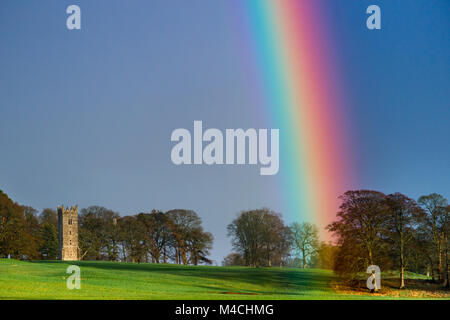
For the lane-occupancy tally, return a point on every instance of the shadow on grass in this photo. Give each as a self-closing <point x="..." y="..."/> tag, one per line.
<point x="289" y="281"/>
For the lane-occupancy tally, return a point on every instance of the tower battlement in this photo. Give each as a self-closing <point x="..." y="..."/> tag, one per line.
<point x="68" y="233"/>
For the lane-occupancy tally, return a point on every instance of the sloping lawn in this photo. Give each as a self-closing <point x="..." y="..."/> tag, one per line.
<point x="114" y="280"/>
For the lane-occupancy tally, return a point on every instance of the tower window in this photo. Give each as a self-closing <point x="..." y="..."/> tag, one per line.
<point x="70" y="242"/>
<point x="70" y="232"/>
<point x="70" y="221"/>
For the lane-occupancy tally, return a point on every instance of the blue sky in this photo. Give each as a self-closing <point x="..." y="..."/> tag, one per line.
<point x="86" y="116"/>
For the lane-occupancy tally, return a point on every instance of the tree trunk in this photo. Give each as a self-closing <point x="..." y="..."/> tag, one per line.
<point x="447" y="280"/>
<point x="402" y="265"/>
<point x="370" y="256"/>
<point x="402" y="277"/>
<point x="440" y="261"/>
<point x="164" y="255"/>
<point x="432" y="272"/>
<point x="304" y="258"/>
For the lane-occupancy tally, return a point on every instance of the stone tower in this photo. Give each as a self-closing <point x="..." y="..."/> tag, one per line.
<point x="68" y="233"/>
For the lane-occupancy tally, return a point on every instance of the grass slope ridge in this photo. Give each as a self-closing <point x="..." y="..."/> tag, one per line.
<point x="114" y="280"/>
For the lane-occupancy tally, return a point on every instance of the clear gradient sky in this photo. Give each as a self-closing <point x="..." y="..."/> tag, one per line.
<point x="86" y="116"/>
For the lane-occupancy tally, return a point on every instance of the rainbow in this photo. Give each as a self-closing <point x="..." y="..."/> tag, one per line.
<point x="301" y="93"/>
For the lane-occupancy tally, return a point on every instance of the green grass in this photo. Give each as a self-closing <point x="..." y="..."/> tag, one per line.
<point x="113" y="280"/>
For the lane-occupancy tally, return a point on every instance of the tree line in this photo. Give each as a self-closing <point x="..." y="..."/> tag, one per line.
<point x="175" y="236"/>
<point x="391" y="231"/>
<point x="394" y="232"/>
<point x="260" y="238"/>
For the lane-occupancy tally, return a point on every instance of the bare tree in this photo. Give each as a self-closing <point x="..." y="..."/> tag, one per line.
<point x="435" y="223"/>
<point x="260" y="236"/>
<point x="156" y="234"/>
<point x="246" y="231"/>
<point x="401" y="221"/>
<point x="359" y="232"/>
<point x="447" y="246"/>
<point x="99" y="236"/>
<point x="305" y="238"/>
<point x="233" y="259"/>
<point x="183" y="222"/>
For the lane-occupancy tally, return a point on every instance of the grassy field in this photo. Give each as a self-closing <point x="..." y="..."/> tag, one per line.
<point x="113" y="280"/>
